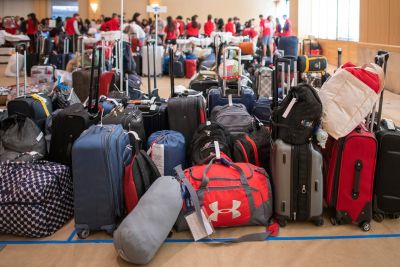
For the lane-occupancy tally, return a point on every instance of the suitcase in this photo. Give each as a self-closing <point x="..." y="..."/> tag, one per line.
<point x="139" y="64"/>
<point x="386" y="190"/>
<point x="240" y="94"/>
<point x="349" y="176"/>
<point x="36" y="107"/>
<point x="36" y="198"/>
<point x="42" y="74"/>
<point x="297" y="182"/>
<point x="149" y="60"/>
<point x="81" y="83"/>
<point x="263" y="86"/>
<point x="179" y="66"/>
<point x="165" y="65"/>
<point x="185" y="112"/>
<point x="72" y="121"/>
<point x="167" y="149"/>
<point x="191" y="67"/>
<point x="289" y="44"/>
<point x="203" y="81"/>
<point x="130" y="118"/>
<point x="262" y="110"/>
<point x="98" y="157"/>
<point x="107" y="80"/>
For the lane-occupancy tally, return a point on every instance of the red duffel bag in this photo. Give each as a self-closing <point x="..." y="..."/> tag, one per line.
<point x="232" y="194"/>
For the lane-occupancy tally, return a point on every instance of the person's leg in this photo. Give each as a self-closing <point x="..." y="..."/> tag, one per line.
<point x="264" y="45"/>
<point x="270" y="46"/>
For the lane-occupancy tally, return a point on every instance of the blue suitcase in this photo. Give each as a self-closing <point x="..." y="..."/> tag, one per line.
<point x="216" y="98"/>
<point x="262" y="110"/>
<point x="98" y="157"/>
<point x="165" y="65"/>
<point x="289" y="44"/>
<point x="167" y="150"/>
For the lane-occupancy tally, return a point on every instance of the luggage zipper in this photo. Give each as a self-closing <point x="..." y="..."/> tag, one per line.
<point x="246" y="158"/>
<point x="255" y="149"/>
<point x="107" y="159"/>
<point x="335" y="189"/>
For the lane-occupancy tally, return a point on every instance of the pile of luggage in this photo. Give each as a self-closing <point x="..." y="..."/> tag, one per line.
<point x="222" y="153"/>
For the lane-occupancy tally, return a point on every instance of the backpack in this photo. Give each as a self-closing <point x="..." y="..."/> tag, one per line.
<point x="234" y="118"/>
<point x="202" y="148"/>
<point x="296" y="117"/>
<point x="139" y="174"/>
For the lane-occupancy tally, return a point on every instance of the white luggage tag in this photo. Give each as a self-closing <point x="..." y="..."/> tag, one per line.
<point x="289" y="108"/>
<point x="230" y="102"/>
<point x="39" y="137"/>
<point x="217" y="150"/>
<point x="153" y="107"/>
<point x="196" y="227"/>
<point x="208" y="123"/>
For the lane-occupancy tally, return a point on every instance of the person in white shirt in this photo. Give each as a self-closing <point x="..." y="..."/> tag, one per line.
<point x="140" y="34"/>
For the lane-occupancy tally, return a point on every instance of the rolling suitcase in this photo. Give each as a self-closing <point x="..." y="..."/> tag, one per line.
<point x="386" y="194"/>
<point x="242" y="95"/>
<point x="179" y="65"/>
<point x="191" y="67"/>
<point x="297" y="175"/>
<point x="72" y="121"/>
<point x="289" y="44"/>
<point x="185" y="112"/>
<point x="81" y="83"/>
<point x="149" y="59"/>
<point x="98" y="157"/>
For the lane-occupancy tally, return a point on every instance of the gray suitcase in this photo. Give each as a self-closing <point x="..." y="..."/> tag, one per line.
<point x="298" y="182"/>
<point x="264" y="82"/>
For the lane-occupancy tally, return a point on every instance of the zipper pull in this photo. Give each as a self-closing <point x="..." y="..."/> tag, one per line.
<point x="303" y="189"/>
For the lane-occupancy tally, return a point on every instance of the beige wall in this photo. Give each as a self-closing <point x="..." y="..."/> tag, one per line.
<point x="15" y="7"/>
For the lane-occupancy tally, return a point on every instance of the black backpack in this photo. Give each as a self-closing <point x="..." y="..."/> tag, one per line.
<point x="296" y="117"/>
<point x="253" y="147"/>
<point x="202" y="148"/>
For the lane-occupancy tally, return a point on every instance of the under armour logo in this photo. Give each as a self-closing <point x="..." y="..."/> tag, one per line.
<point x="234" y="210"/>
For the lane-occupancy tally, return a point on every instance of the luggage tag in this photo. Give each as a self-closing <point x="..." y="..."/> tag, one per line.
<point x="199" y="229"/>
<point x="289" y="108"/>
<point x="217" y="150"/>
<point x="39" y="137"/>
<point x="208" y="123"/>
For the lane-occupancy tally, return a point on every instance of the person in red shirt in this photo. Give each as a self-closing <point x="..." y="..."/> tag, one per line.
<point x="209" y="26"/>
<point x="180" y="25"/>
<point x="32" y="26"/>
<point x="171" y="31"/>
<point x="287" y="28"/>
<point x="71" y="26"/>
<point x="249" y="30"/>
<point x="230" y="27"/>
<point x="266" y="31"/>
<point x="193" y="27"/>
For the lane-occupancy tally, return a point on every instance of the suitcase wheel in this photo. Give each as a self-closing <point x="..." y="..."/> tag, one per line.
<point x="378" y="217"/>
<point x="282" y="222"/>
<point x="394" y="216"/>
<point x="319" y="221"/>
<point x="366" y="226"/>
<point x="334" y="221"/>
<point x="83" y="234"/>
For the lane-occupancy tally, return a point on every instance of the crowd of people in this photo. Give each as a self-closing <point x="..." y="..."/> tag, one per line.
<point x="168" y="31"/>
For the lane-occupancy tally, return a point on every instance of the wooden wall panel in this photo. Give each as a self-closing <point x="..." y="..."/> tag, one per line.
<point x="378" y="18"/>
<point x="394" y="22"/>
<point x="294" y="15"/>
<point x="364" y="20"/>
<point x="330" y="47"/>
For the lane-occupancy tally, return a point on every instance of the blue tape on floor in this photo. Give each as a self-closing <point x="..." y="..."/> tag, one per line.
<point x="71" y="236"/>
<point x="278" y="238"/>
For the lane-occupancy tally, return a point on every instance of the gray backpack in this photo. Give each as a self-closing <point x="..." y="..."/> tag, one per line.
<point x="143" y="231"/>
<point x="21" y="140"/>
<point x="233" y="118"/>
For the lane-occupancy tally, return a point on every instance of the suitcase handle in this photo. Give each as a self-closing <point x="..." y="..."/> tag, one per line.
<point x="356" y="185"/>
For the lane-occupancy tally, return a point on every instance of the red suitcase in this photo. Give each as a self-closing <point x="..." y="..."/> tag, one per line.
<point x="191" y="67"/>
<point x="350" y="177"/>
<point x="107" y="79"/>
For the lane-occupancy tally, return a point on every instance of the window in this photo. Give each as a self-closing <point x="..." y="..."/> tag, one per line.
<point x="330" y="19"/>
<point x="62" y="8"/>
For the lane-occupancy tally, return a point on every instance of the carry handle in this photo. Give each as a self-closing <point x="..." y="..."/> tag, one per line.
<point x="206" y="179"/>
<point x="275" y="93"/>
<point x="304" y="46"/>
<point x="148" y="69"/>
<point x="134" y="141"/>
<point x="356" y="185"/>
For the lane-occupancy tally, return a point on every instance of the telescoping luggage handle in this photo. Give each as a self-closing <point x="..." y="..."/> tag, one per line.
<point x="262" y="236"/>
<point x="171" y="70"/>
<point x="24" y="46"/>
<point x="381" y="59"/>
<point x="225" y="77"/>
<point x="274" y="84"/>
<point x="94" y="109"/>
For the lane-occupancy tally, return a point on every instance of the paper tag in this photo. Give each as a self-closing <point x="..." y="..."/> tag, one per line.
<point x="153" y="107"/>
<point x="153" y="99"/>
<point x="390" y="124"/>
<point x="289" y="108"/>
<point x="208" y="123"/>
<point x="217" y="150"/>
<point x="230" y="102"/>
<point x="196" y="228"/>
<point x="39" y="137"/>
<point x="157" y="155"/>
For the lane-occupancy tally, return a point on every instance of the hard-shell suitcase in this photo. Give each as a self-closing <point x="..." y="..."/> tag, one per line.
<point x="386" y="190"/>
<point x="263" y="82"/>
<point x="139" y="64"/>
<point x="241" y="95"/>
<point x="155" y="117"/>
<point x="107" y="80"/>
<point x="81" y="83"/>
<point x="350" y="177"/>
<point x="98" y="157"/>
<point x="42" y="74"/>
<point x="191" y="67"/>
<point x="298" y="182"/>
<point x="289" y="44"/>
<point x="179" y="66"/>
<point x="148" y="53"/>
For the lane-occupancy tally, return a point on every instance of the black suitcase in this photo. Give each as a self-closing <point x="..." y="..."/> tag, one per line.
<point x="179" y="65"/>
<point x="387" y="189"/>
<point x="185" y="112"/>
<point x="72" y="121"/>
<point x="155" y="117"/>
<point x="139" y="64"/>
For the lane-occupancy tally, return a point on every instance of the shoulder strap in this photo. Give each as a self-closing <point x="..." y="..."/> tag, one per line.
<point x="42" y="102"/>
<point x="262" y="236"/>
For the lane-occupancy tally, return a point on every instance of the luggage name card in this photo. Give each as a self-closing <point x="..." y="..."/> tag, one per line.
<point x="196" y="227"/>
<point x="230" y="102"/>
<point x="217" y="150"/>
<point x="289" y="108"/>
<point x="157" y="155"/>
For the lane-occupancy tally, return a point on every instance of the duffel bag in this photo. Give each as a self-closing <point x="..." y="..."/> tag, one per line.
<point x="349" y="96"/>
<point x="36" y="199"/>
<point x="312" y="63"/>
<point x="232" y="194"/>
<point x="296" y="117"/>
<point x="247" y="48"/>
